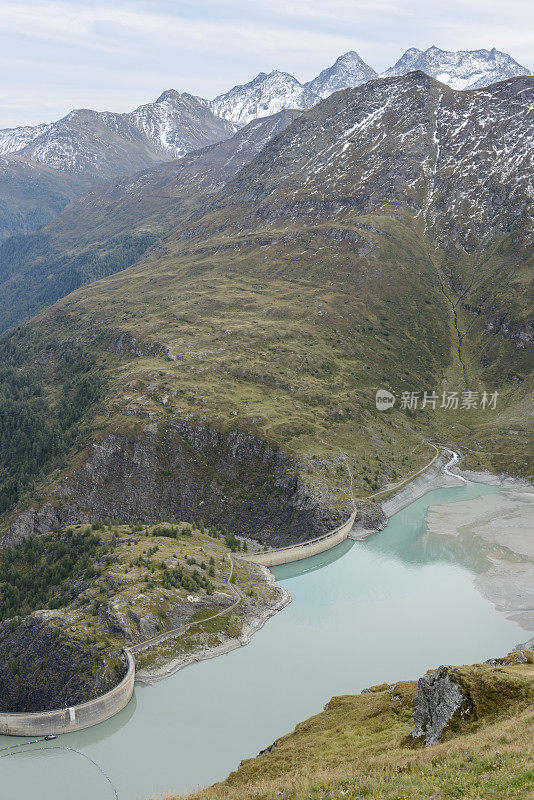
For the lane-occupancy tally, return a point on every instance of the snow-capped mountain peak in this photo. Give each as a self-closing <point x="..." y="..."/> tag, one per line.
<point x="103" y="144"/>
<point x="173" y="120"/>
<point x="264" y="95"/>
<point x="13" y="139"/>
<point x="168" y="96"/>
<point x="461" y="69"/>
<point x="349" y="70"/>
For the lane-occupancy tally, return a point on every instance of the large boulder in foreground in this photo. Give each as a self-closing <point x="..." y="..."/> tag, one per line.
<point x="438" y="699"/>
<point x="449" y="696"/>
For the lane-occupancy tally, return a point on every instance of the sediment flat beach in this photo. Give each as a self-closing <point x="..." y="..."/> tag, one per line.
<point x="504" y="525"/>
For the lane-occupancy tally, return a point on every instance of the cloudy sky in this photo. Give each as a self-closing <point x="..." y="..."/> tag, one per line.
<point x="117" y="54"/>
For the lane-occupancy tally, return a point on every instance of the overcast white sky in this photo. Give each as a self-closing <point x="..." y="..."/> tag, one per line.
<point x="117" y="54"/>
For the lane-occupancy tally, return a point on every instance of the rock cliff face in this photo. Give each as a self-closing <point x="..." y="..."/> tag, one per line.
<point x="42" y="520"/>
<point x="438" y="699"/>
<point x="181" y="470"/>
<point x="43" y="668"/>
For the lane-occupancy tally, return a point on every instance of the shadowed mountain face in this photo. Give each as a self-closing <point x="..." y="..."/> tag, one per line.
<point x="31" y="194"/>
<point x="108" y="229"/>
<point x="367" y="246"/>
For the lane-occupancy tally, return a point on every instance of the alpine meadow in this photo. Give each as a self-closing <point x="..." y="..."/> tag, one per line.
<point x="266" y="362"/>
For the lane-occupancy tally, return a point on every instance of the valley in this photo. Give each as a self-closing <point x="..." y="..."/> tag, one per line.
<point x="375" y="613"/>
<point x="110" y="228"/>
<point x="229" y="326"/>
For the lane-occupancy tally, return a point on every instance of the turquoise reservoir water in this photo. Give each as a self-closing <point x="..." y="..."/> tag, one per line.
<point x="381" y="610"/>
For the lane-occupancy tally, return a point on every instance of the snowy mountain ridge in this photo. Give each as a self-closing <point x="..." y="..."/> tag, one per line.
<point x="13" y="139"/>
<point x="268" y="94"/>
<point x="461" y="69"/>
<point x="263" y="96"/>
<point x="106" y="144"/>
<point x="348" y="71"/>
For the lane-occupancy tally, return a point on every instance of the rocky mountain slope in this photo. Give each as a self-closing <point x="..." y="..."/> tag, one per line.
<point x="103" y="145"/>
<point x="263" y="96"/>
<point x="109" y="228"/>
<point x="348" y="71"/>
<point x="231" y="373"/>
<point x="461" y="69"/>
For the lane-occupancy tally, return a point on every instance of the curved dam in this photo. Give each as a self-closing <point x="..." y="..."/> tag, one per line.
<point x="75" y="718"/>
<point x="101" y="709"/>
<point x="311" y="547"/>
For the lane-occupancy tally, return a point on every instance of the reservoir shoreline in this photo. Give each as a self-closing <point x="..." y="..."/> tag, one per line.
<point x="354" y="606"/>
<point x="437" y="476"/>
<point x="251" y="625"/>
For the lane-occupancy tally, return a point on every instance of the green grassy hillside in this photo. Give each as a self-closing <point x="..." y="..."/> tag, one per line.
<point x="110" y="228"/>
<point x="359" y="747"/>
<point x="242" y="355"/>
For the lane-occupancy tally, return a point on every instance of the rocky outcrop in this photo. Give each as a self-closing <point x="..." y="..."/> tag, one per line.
<point x="43" y="667"/>
<point x="370" y="516"/>
<point x="515" y="657"/>
<point x="438" y="699"/>
<point x="177" y="469"/>
<point x="125" y="342"/>
<point x="118" y="617"/>
<point x="521" y="333"/>
<point x="43" y="520"/>
<point x="529" y="645"/>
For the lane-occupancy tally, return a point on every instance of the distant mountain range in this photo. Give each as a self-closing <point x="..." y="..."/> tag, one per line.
<point x="103" y="144"/>
<point x="44" y="167"/>
<point x="112" y="226"/>
<point x="109" y="228"/>
<point x="267" y="94"/>
<point x="178" y="123"/>
<point x="86" y="148"/>
<point x="274" y="281"/>
<point x="463" y="69"/>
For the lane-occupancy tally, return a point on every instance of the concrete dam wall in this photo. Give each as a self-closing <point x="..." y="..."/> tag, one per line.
<point x="100" y="709"/>
<point x="296" y="552"/>
<point x="75" y="718"/>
